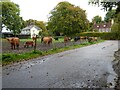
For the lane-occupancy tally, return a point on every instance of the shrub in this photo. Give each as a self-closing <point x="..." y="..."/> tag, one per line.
<point x="102" y="35"/>
<point x="37" y="52"/>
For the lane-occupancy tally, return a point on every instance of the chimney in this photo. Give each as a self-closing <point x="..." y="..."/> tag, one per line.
<point x="112" y="21"/>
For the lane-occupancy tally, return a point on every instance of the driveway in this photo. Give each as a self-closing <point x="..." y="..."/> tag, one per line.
<point x="89" y="67"/>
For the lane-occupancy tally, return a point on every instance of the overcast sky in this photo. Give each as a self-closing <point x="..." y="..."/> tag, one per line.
<point x="40" y="9"/>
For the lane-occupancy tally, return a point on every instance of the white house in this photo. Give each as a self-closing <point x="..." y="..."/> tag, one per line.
<point x="32" y="30"/>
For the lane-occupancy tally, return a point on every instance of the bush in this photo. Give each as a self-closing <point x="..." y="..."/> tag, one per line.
<point x="37" y="52"/>
<point x="102" y="35"/>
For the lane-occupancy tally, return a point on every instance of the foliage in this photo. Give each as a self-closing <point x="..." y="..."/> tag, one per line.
<point x="67" y="19"/>
<point x="116" y="26"/>
<point x="109" y="15"/>
<point x="102" y="35"/>
<point x="44" y="33"/>
<point x="97" y="19"/>
<point x="10" y="17"/>
<point x="90" y="26"/>
<point x="107" y="4"/>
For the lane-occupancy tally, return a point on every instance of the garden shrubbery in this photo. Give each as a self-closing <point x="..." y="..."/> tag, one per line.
<point x="102" y="35"/>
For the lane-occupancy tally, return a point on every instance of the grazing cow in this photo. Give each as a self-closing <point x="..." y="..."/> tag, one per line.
<point x="28" y="43"/>
<point x="92" y="39"/>
<point x="95" y="39"/>
<point x="14" y="41"/>
<point x="76" y="38"/>
<point x="46" y="40"/>
<point x="82" y="38"/>
<point x="66" y="39"/>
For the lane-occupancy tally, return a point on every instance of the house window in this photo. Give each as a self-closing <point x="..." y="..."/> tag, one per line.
<point x="97" y="26"/>
<point x="104" y="25"/>
<point x="107" y="29"/>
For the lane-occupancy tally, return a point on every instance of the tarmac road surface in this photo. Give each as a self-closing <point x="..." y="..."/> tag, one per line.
<point x="86" y="67"/>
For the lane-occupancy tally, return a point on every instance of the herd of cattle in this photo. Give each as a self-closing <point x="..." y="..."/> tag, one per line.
<point x="15" y="41"/>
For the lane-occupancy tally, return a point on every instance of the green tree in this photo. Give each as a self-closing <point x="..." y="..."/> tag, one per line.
<point x="107" y="4"/>
<point x="10" y="17"/>
<point x="116" y="25"/>
<point x="91" y="26"/>
<point x="109" y="15"/>
<point x="67" y="19"/>
<point x="97" y="19"/>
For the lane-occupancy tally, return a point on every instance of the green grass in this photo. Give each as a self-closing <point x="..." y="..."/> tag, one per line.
<point x="12" y="58"/>
<point x="39" y="40"/>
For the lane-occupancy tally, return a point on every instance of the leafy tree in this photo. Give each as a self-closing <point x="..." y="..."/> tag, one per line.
<point x="67" y="19"/>
<point x="97" y="19"/>
<point x="109" y="15"/>
<point x="41" y="24"/>
<point x="10" y="17"/>
<point x="116" y="25"/>
<point x="91" y="26"/>
<point x="107" y="4"/>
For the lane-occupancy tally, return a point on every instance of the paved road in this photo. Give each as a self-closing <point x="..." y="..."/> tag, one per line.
<point x="90" y="67"/>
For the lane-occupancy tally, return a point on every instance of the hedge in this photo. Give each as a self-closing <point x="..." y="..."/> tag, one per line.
<point x="102" y="35"/>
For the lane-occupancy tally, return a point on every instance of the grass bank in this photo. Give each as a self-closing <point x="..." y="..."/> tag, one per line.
<point x="12" y="58"/>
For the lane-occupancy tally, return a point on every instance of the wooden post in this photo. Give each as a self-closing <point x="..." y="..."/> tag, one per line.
<point x="35" y="41"/>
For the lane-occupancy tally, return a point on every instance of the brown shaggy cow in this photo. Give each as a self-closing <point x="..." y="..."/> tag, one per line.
<point x="46" y="40"/>
<point x="92" y="39"/>
<point x="28" y="43"/>
<point x="14" y="41"/>
<point x="66" y="39"/>
<point x="83" y="38"/>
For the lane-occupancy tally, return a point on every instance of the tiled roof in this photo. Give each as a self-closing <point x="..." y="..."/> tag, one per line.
<point x="31" y="26"/>
<point x="102" y="25"/>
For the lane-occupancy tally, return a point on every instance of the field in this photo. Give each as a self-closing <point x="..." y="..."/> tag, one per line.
<point x="6" y="48"/>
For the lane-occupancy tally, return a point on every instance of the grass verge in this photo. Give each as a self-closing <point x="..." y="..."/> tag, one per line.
<point x="12" y="58"/>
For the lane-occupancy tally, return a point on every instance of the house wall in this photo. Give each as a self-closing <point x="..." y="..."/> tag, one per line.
<point x="104" y="30"/>
<point x="34" y="32"/>
<point x="27" y="32"/>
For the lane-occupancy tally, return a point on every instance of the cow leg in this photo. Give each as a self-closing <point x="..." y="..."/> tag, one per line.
<point x="24" y="46"/>
<point x="27" y="46"/>
<point x="49" y="43"/>
<point x="65" y="43"/>
<point x="31" y="45"/>
<point x="17" y="46"/>
<point x="11" y="46"/>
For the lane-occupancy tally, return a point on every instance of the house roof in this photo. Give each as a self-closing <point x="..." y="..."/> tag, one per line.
<point x="31" y="26"/>
<point x="102" y="25"/>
